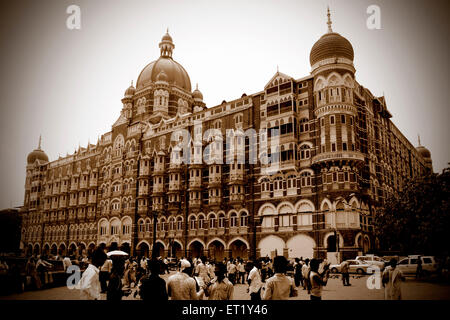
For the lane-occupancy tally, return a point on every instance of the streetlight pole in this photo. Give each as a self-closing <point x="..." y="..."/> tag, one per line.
<point x="155" y="216"/>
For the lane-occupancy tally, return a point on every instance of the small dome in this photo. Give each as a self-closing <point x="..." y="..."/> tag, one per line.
<point x="162" y="76"/>
<point x="130" y="91"/>
<point x="37" y="154"/>
<point x="196" y="94"/>
<point x="331" y="45"/>
<point x="167" y="37"/>
<point x="424" y="152"/>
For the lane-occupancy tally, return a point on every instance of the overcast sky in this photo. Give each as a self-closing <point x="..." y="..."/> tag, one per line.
<point x="67" y="84"/>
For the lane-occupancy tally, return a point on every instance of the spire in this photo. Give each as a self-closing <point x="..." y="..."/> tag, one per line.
<point x="418" y="138"/>
<point x="40" y="140"/>
<point x="196" y="86"/>
<point x="131" y="82"/>
<point x="329" y="20"/>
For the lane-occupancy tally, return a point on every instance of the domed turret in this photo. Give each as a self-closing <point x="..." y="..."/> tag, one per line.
<point x="425" y="154"/>
<point x="176" y="74"/>
<point x="196" y="94"/>
<point x="331" y="45"/>
<point x="130" y="91"/>
<point x="37" y="154"/>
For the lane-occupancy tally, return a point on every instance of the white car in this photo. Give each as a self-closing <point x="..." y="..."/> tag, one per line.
<point x="372" y="260"/>
<point x="409" y="265"/>
<point x="354" y="266"/>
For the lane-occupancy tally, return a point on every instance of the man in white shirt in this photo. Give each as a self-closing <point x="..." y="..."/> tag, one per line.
<point x="66" y="262"/>
<point x="90" y="283"/>
<point x="181" y="286"/>
<point x="279" y="286"/>
<point x="254" y="281"/>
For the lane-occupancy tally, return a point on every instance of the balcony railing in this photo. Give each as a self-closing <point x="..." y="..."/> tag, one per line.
<point x="341" y="155"/>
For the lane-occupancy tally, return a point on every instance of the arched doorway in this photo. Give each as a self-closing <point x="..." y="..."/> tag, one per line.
<point x="62" y="249"/>
<point x="366" y="245"/>
<point x="54" y="249"/>
<point x="175" y="250"/>
<point x="82" y="249"/>
<point x="271" y="246"/>
<point x="46" y="250"/>
<point x="36" y="249"/>
<point x="143" y="249"/>
<point x="29" y="250"/>
<point x="158" y="250"/>
<point x="72" y="249"/>
<point x="91" y="249"/>
<point x="331" y="244"/>
<point x="125" y="247"/>
<point x="113" y="246"/>
<point x="216" y="251"/>
<point x="238" y="249"/>
<point x="196" y="249"/>
<point x="301" y="245"/>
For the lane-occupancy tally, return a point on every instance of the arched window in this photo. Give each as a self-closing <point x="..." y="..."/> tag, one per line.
<point x="306" y="179"/>
<point x="233" y="219"/>
<point x="179" y="223"/>
<point x="201" y="220"/>
<point x="221" y="220"/>
<point x="265" y="185"/>
<point x="304" y="127"/>
<point x="292" y="182"/>
<point x="244" y="219"/>
<point x="278" y="183"/>
<point x="192" y="223"/>
<point x="212" y="221"/>
<point x="305" y="152"/>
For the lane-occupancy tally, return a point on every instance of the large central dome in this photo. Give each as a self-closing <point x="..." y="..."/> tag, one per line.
<point x="176" y="74"/>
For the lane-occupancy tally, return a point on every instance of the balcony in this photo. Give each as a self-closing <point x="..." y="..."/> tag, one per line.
<point x="195" y="182"/>
<point x="74" y="186"/>
<point x="62" y="204"/>
<point x="195" y="203"/>
<point x="174" y="186"/>
<point x="143" y="191"/>
<point x="47" y="206"/>
<point x="144" y="171"/>
<point x="237" y="197"/>
<point x="215" y="201"/>
<point x="158" y="188"/>
<point x="341" y="155"/>
<point x="55" y="190"/>
<point x="83" y="184"/>
<point x="54" y="204"/>
<point x="212" y="231"/>
<point x="201" y="232"/>
<point x="92" y="199"/>
<point x="93" y="182"/>
<point x="82" y="201"/>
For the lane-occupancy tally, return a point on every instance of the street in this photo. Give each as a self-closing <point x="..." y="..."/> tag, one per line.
<point x="411" y="290"/>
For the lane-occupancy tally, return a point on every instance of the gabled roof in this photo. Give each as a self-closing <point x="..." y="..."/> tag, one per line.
<point x="277" y="78"/>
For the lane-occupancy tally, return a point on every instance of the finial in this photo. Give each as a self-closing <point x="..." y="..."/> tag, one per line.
<point x="131" y="82"/>
<point x="329" y="20"/>
<point x="39" y="145"/>
<point x="167" y="31"/>
<point x="277" y="69"/>
<point x="196" y="86"/>
<point x="418" y="138"/>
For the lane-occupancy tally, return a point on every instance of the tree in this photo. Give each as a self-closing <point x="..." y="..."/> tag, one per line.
<point x="418" y="219"/>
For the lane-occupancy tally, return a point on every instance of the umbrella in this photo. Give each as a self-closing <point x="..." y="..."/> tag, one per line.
<point x="116" y="253"/>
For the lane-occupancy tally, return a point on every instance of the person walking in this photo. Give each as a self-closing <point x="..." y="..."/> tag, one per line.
<point x="392" y="281"/>
<point x="254" y="280"/>
<point x="232" y="270"/>
<point x="66" y="262"/>
<point x="202" y="271"/>
<point x="114" y="291"/>
<point x="345" y="273"/>
<point x="181" y="286"/>
<point x="153" y="287"/>
<point x="317" y="280"/>
<point x="305" y="273"/>
<point x="221" y="288"/>
<point x="89" y="283"/>
<point x="298" y="272"/>
<point x="241" y="272"/>
<point x="105" y="273"/>
<point x="279" y="286"/>
<point x="419" y="270"/>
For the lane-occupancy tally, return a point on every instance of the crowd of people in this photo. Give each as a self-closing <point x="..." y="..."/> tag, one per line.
<point x="200" y="278"/>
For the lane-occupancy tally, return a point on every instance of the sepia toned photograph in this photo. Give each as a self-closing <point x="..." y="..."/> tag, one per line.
<point x="242" y="151"/>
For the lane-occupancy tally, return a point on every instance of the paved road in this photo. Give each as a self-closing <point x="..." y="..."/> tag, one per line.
<point x="412" y="290"/>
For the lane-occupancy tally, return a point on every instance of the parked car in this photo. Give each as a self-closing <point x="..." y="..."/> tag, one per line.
<point x="372" y="260"/>
<point x="355" y="266"/>
<point x="409" y="265"/>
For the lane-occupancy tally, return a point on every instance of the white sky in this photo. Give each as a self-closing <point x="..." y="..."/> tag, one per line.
<point x="67" y="85"/>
